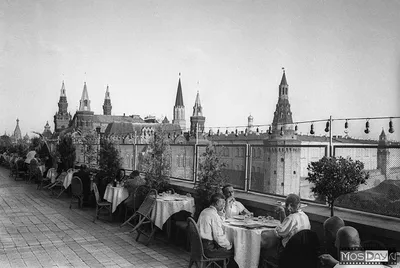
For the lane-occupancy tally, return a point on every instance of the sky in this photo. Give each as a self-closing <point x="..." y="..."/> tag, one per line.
<point x="342" y="59"/>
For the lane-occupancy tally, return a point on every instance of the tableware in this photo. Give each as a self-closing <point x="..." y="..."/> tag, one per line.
<point x="237" y="224"/>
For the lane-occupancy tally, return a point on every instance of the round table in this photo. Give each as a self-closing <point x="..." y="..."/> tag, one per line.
<point x="246" y="243"/>
<point x="115" y="195"/>
<point x="168" y="205"/>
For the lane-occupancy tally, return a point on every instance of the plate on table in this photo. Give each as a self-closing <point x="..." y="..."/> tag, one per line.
<point x="239" y="217"/>
<point x="237" y="224"/>
<point x="271" y="223"/>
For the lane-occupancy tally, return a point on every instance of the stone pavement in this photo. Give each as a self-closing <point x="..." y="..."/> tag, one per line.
<point x="38" y="230"/>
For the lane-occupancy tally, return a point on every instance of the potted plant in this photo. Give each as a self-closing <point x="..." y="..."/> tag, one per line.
<point x="333" y="177"/>
<point x="211" y="179"/>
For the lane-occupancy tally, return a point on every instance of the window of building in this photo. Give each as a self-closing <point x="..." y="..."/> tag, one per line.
<point x="294" y="172"/>
<point x="282" y="159"/>
<point x="237" y="152"/>
<point x="274" y="171"/>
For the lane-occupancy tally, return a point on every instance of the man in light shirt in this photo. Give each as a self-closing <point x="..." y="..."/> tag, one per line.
<point x="215" y="242"/>
<point x="232" y="207"/>
<point x="295" y="221"/>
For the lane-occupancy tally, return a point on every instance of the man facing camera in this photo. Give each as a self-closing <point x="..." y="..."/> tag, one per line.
<point x="232" y="207"/>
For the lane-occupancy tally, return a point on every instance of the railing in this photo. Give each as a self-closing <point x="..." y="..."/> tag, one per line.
<point x="272" y="169"/>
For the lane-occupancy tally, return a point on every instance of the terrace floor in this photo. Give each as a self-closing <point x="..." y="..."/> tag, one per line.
<point x="38" y="230"/>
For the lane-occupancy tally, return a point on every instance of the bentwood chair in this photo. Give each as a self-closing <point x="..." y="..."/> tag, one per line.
<point x="144" y="217"/>
<point x="196" y="249"/>
<point x="77" y="191"/>
<point x="101" y="205"/>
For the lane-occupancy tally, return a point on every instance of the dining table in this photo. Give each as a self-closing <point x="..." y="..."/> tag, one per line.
<point x="115" y="195"/>
<point x="169" y="204"/>
<point x="245" y="235"/>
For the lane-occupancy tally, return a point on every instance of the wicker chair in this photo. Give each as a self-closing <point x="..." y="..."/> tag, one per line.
<point x="77" y="191"/>
<point x="196" y="249"/>
<point x="144" y="217"/>
<point x="20" y="171"/>
<point x="100" y="205"/>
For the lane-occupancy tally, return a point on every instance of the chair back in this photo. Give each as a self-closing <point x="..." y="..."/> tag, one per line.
<point x="52" y="174"/>
<point x="76" y="186"/>
<point x="139" y="195"/>
<point x="302" y="250"/>
<point x="96" y="192"/>
<point x="196" y="245"/>
<point x="148" y="204"/>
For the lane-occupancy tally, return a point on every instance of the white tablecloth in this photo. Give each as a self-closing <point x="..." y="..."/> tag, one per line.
<point x="115" y="195"/>
<point x="166" y="206"/>
<point x="246" y="243"/>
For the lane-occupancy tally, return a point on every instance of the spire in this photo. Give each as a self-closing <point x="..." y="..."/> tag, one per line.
<point x="282" y="114"/>
<point x="17" y="132"/>
<point x="283" y="80"/>
<point x="63" y="93"/>
<point x="179" y="97"/>
<point x="107" y="103"/>
<point x="107" y="97"/>
<point x="84" y="102"/>
<point x="197" y="109"/>
<point x="383" y="135"/>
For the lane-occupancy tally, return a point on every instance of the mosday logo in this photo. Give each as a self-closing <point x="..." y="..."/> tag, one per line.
<point x="356" y="256"/>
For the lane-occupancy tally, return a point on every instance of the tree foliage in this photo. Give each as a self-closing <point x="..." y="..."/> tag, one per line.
<point x="333" y="177"/>
<point x="66" y="152"/>
<point x="89" y="142"/>
<point x="110" y="161"/>
<point x="157" y="161"/>
<point x="210" y="177"/>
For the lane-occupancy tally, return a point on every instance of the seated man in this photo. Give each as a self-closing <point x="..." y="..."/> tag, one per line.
<point x="84" y="175"/>
<point x="215" y="242"/>
<point x="331" y="227"/>
<point x="295" y="221"/>
<point x="232" y="207"/>
<point x="346" y="237"/>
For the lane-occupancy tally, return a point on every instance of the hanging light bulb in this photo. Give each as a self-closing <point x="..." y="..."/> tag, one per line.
<point x="327" y="127"/>
<point x="295" y="128"/>
<point x="346" y="125"/>
<point x="366" y="127"/>
<point x="282" y="131"/>
<point x="391" y="130"/>
<point x="270" y="130"/>
<point x="312" y="132"/>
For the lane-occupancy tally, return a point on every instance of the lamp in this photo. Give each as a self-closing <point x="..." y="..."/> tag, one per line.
<point x="295" y="128"/>
<point x="327" y="127"/>
<point x="312" y="132"/>
<point x="346" y="125"/>
<point x="391" y="130"/>
<point x="236" y="133"/>
<point x="366" y="127"/>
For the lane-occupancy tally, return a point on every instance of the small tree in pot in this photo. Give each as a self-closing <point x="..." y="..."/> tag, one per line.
<point x="211" y="179"/>
<point x="157" y="161"/>
<point x="333" y="177"/>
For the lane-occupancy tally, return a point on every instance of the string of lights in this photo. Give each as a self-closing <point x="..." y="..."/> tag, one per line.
<point x="178" y="131"/>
